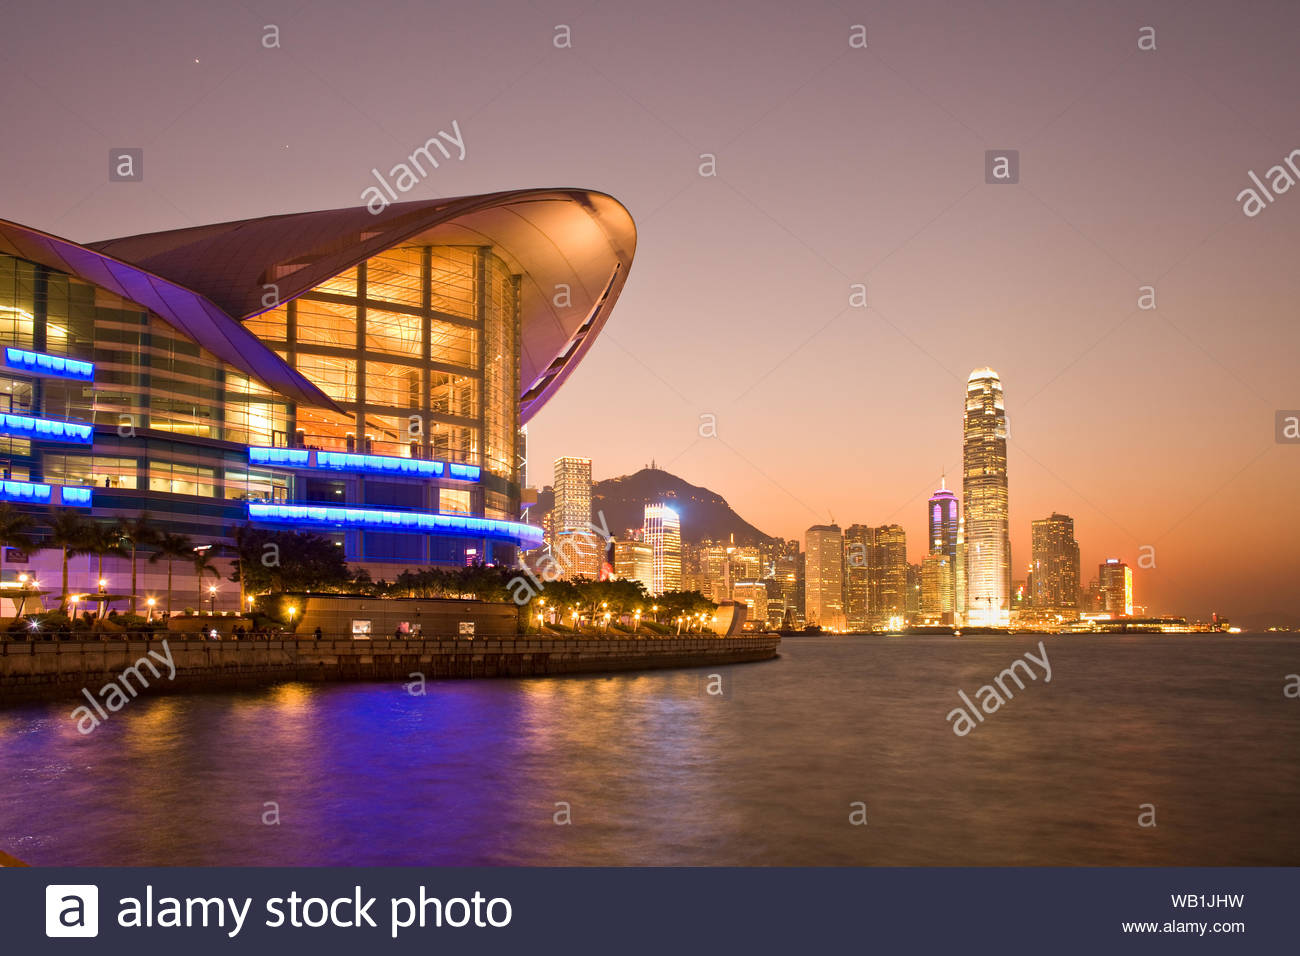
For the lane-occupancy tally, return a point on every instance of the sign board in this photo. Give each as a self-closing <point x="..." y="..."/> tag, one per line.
<point x="466" y="628"/>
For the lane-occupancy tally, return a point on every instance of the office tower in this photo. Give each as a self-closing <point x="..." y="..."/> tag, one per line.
<point x="1116" y="582"/>
<point x="775" y="603"/>
<point x="746" y="563"/>
<point x="634" y="561"/>
<point x="824" y="576"/>
<point x="1094" y="601"/>
<point x="789" y="579"/>
<point x="937" y="588"/>
<point x="985" y="502"/>
<point x="715" y="572"/>
<point x="578" y="553"/>
<point x="1054" y="569"/>
<point x="572" y="509"/>
<point x="942" y="516"/>
<point x="857" y="556"/>
<point x="887" y="575"/>
<point x="663" y="532"/>
<point x="912" y="602"/>
<point x="753" y="594"/>
<point x="959" y="575"/>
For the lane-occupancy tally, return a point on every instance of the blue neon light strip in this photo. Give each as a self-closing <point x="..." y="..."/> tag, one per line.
<point x="362" y="464"/>
<point x="35" y="493"/>
<point x="419" y="522"/>
<point x="45" y="429"/>
<point x="25" y="492"/>
<point x="379" y="464"/>
<point x="290" y="457"/>
<point x="75" y="496"/>
<point x="43" y="364"/>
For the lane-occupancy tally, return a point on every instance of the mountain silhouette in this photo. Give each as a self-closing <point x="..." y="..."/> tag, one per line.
<point x="704" y="514"/>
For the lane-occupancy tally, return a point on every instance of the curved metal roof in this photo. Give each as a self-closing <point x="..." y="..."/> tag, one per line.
<point x="577" y="238"/>
<point x="186" y="310"/>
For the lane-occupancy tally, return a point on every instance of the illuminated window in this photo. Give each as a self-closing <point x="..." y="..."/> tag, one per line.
<point x="270" y="326"/>
<point x="394" y="386"/>
<point x="394" y="276"/>
<point x="336" y="377"/>
<point x="345" y="284"/>
<point x="453" y="502"/>
<point x="182" y="479"/>
<point x="326" y="323"/>
<point x="394" y="333"/>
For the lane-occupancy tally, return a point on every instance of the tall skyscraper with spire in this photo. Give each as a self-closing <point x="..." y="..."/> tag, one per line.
<point x="985" y="502"/>
<point x="941" y="516"/>
<point x="939" y="578"/>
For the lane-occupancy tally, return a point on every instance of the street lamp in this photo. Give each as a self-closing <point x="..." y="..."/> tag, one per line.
<point x="151" y="602"/>
<point x="212" y="593"/>
<point x="26" y="583"/>
<point x="103" y="585"/>
<point x="292" y="611"/>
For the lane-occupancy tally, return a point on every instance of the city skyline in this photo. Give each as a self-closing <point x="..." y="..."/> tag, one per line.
<point x="1129" y="177"/>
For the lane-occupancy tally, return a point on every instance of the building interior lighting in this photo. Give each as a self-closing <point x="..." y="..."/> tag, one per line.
<point x="418" y="522"/>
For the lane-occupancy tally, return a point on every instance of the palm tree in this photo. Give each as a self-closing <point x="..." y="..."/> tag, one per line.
<point x="103" y="539"/>
<point x="203" y="566"/>
<point x="15" y="532"/>
<point x="69" y="532"/>
<point x="139" y="531"/>
<point x="170" y="547"/>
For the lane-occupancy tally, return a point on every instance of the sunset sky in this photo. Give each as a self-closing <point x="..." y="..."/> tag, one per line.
<point x="834" y="166"/>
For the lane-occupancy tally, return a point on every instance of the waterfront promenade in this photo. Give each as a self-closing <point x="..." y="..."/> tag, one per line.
<point x="51" y="670"/>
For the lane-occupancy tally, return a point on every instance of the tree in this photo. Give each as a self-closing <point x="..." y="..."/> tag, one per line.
<point x="69" y="532"/>
<point x="170" y="547"/>
<point x="288" y="561"/>
<point x="15" y="532"/>
<point x="203" y="566"/>
<point x="102" y="539"/>
<point x="140" y="531"/>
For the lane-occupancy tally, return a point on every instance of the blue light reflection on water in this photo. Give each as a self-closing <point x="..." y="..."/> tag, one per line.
<point x="656" y="772"/>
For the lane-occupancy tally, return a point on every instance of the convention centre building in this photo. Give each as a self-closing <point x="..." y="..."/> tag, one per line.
<point x="365" y="376"/>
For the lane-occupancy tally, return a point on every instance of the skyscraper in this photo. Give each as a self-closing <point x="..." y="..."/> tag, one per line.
<point x="887" y="574"/>
<point x="985" y="502"/>
<point x="634" y="561"/>
<point x="937" y="597"/>
<point x="572" y="509"/>
<point x="942" y="517"/>
<point x="857" y="594"/>
<point x="663" y="532"/>
<point x="1054" y="567"/>
<point x="824" y="575"/>
<point x="1116" y="579"/>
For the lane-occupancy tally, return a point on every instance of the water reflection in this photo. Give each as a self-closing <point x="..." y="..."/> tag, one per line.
<point x="654" y="770"/>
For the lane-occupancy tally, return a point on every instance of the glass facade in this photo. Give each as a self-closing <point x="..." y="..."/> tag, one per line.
<point x="418" y="346"/>
<point x="985" y="503"/>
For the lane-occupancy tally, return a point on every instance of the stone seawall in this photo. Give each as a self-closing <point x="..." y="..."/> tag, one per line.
<point x="52" y="670"/>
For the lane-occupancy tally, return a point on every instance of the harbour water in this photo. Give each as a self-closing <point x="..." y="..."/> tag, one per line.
<point x="838" y="753"/>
